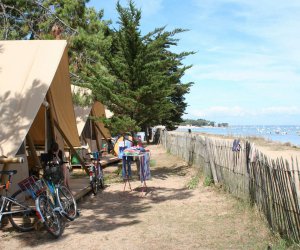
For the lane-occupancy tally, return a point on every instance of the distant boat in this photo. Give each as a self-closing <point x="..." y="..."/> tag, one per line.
<point x="277" y="131"/>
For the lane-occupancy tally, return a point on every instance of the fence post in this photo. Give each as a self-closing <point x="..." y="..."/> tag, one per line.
<point x="211" y="161"/>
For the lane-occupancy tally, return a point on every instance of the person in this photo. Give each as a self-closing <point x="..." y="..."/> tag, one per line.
<point x="55" y="152"/>
<point x="139" y="141"/>
<point x="110" y="146"/>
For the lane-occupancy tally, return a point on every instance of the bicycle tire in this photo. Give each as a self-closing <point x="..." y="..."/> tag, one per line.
<point x="94" y="185"/>
<point x="26" y="220"/>
<point x="101" y="178"/>
<point x="67" y="202"/>
<point x="101" y="182"/>
<point x="52" y="220"/>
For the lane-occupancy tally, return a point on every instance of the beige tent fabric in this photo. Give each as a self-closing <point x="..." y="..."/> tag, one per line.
<point x="37" y="129"/>
<point x="98" y="110"/>
<point x="27" y="69"/>
<point x="61" y="101"/>
<point x="82" y="114"/>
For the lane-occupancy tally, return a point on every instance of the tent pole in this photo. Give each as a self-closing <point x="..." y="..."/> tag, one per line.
<point x="71" y="146"/>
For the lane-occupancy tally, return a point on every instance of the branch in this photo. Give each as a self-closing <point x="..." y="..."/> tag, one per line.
<point x="22" y="15"/>
<point x="49" y="11"/>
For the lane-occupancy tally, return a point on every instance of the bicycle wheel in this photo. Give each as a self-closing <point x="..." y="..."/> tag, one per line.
<point x="52" y="220"/>
<point x="101" y="182"/>
<point x="100" y="178"/>
<point x="94" y="185"/>
<point x="67" y="202"/>
<point x="23" y="217"/>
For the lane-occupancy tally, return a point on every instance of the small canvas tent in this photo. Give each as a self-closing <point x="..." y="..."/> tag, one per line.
<point x="32" y="72"/>
<point x="91" y="132"/>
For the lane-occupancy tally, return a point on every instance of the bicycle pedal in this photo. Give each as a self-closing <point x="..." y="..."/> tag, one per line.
<point x="78" y="213"/>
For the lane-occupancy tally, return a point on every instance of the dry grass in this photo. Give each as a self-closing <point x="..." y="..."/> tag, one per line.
<point x="169" y="216"/>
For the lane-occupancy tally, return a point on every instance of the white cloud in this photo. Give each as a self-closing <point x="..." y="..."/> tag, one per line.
<point x="293" y="110"/>
<point x="149" y="8"/>
<point x="254" y="68"/>
<point x="236" y="111"/>
<point x="219" y="111"/>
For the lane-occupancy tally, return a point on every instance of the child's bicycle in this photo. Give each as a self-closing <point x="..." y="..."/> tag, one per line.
<point x="96" y="172"/>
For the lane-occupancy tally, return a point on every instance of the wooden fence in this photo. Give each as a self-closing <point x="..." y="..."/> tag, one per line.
<point x="271" y="185"/>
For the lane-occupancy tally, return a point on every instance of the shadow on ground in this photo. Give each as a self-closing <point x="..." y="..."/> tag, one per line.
<point x="113" y="209"/>
<point x="106" y="212"/>
<point x="163" y="173"/>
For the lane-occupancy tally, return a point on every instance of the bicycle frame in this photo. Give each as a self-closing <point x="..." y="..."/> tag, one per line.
<point x="5" y="201"/>
<point x="54" y="189"/>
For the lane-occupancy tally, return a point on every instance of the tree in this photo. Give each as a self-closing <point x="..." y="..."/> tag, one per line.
<point x="147" y="85"/>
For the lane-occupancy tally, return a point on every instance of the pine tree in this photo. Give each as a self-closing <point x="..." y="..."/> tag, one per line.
<point x="147" y="74"/>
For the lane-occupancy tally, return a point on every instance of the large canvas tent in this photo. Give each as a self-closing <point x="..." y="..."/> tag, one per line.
<point x="33" y="73"/>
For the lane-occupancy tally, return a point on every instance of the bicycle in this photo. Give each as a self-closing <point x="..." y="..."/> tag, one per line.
<point x="62" y="197"/>
<point x="19" y="207"/>
<point x="96" y="172"/>
<point x="51" y="219"/>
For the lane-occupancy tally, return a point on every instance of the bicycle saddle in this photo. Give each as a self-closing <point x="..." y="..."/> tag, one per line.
<point x="9" y="172"/>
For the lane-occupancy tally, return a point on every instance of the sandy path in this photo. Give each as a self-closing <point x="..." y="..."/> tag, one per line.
<point x="169" y="217"/>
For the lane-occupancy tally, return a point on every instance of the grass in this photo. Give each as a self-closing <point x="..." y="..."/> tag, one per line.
<point x="207" y="181"/>
<point x="194" y="182"/>
<point x="152" y="163"/>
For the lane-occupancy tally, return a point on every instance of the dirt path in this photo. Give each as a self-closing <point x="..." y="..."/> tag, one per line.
<point x="170" y="216"/>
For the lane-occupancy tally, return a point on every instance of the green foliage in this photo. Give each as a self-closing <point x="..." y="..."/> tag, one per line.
<point x="208" y="181"/>
<point x="198" y="122"/>
<point x="194" y="182"/>
<point x="147" y="74"/>
<point x="119" y="124"/>
<point x="152" y="163"/>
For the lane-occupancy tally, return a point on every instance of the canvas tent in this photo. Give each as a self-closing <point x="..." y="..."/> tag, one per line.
<point x="32" y="72"/>
<point x="92" y="133"/>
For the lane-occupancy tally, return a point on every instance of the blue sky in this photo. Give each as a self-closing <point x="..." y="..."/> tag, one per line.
<point x="247" y="66"/>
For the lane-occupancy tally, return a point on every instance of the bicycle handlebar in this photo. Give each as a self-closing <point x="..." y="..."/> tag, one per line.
<point x="12" y="160"/>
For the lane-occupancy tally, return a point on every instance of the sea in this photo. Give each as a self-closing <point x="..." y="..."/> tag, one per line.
<point x="283" y="133"/>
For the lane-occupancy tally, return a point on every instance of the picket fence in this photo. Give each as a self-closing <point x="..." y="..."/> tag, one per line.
<point x="271" y="185"/>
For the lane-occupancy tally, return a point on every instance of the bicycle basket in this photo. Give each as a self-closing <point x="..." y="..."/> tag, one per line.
<point x="33" y="186"/>
<point x="53" y="172"/>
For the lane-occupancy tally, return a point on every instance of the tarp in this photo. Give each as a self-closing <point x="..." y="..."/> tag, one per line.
<point x="27" y="70"/>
